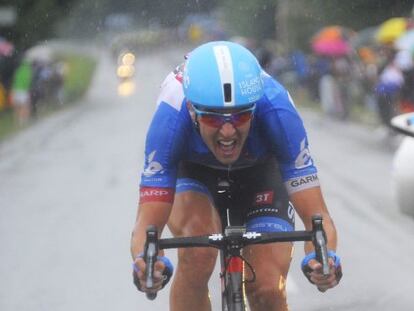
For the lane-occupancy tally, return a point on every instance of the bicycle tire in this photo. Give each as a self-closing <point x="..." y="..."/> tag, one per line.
<point x="235" y="296"/>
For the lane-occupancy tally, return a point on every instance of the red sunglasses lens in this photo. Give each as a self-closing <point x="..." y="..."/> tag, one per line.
<point x="211" y="120"/>
<point x="241" y="118"/>
<point x="217" y="121"/>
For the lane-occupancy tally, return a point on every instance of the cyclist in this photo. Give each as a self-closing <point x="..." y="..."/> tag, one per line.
<point x="221" y="117"/>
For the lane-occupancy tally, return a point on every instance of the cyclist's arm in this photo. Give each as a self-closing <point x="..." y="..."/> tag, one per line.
<point x="165" y="143"/>
<point x="309" y="202"/>
<point x="286" y="133"/>
<point x="287" y="136"/>
<point x="150" y="213"/>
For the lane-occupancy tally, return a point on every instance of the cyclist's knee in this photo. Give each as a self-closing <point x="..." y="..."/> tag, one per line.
<point x="267" y="295"/>
<point x="197" y="261"/>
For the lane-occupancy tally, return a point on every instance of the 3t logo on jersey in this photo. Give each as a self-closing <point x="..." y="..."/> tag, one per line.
<point x="264" y="198"/>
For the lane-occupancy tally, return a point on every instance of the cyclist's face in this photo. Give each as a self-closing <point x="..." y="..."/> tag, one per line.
<point x="226" y="141"/>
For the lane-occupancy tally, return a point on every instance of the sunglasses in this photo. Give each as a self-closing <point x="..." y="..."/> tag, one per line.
<point x="216" y="119"/>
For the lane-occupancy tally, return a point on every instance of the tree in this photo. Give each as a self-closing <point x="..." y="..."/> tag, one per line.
<point x="35" y="19"/>
<point x="250" y="18"/>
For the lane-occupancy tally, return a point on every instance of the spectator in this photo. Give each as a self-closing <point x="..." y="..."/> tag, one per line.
<point x="37" y="85"/>
<point x="301" y="67"/>
<point x="57" y="82"/>
<point x="387" y="90"/>
<point x="319" y="66"/>
<point x="3" y="97"/>
<point x="20" y="92"/>
<point x="404" y="61"/>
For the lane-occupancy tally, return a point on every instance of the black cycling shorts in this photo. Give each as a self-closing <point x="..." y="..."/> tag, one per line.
<point x="258" y="199"/>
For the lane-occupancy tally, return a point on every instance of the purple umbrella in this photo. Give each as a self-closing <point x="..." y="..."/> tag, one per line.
<point x="6" y="48"/>
<point x="331" y="48"/>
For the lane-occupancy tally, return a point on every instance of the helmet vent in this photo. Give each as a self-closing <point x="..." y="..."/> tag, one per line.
<point x="227" y="92"/>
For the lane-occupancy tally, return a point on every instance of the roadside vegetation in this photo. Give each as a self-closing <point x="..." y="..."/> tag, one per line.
<point x="78" y="71"/>
<point x="7" y="124"/>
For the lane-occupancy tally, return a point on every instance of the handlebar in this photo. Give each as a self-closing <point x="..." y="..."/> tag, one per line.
<point x="234" y="241"/>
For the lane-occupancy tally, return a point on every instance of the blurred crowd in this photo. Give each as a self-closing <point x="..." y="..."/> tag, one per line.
<point x="346" y="71"/>
<point x="368" y="72"/>
<point x="28" y="81"/>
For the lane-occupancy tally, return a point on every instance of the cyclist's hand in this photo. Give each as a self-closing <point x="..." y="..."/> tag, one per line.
<point x="139" y="275"/>
<point x="322" y="282"/>
<point x="313" y="271"/>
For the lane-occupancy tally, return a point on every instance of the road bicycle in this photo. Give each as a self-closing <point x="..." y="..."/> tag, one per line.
<point x="230" y="243"/>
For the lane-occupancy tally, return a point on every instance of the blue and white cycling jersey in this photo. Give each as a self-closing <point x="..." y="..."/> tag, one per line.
<point x="276" y="131"/>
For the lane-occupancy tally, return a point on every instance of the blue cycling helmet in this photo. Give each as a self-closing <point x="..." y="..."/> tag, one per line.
<point x="222" y="74"/>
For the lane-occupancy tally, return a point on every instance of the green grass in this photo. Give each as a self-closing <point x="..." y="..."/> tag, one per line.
<point x="79" y="70"/>
<point x="78" y="76"/>
<point x="7" y="124"/>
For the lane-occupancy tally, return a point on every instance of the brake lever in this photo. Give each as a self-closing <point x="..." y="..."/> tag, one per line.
<point x="150" y="257"/>
<point x="320" y="243"/>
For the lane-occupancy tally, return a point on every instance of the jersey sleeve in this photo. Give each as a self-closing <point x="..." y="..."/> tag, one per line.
<point x="288" y="139"/>
<point x="165" y="140"/>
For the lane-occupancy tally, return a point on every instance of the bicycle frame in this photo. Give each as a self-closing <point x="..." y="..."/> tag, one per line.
<point x="232" y="271"/>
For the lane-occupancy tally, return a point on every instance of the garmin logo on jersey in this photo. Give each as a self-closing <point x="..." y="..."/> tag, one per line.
<point x="153" y="167"/>
<point x="303" y="181"/>
<point x="264" y="198"/>
<point x="304" y="158"/>
<point x="152" y="194"/>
